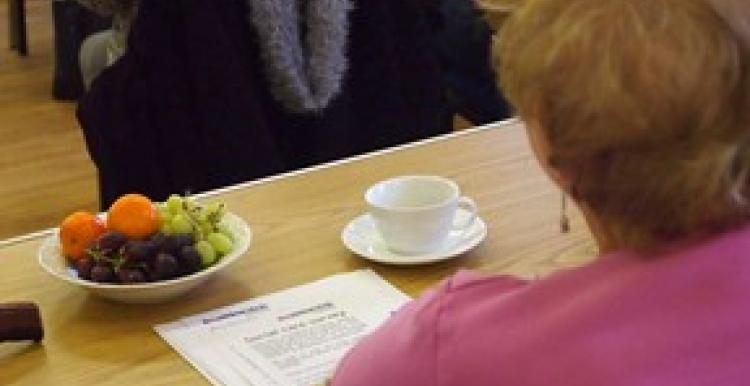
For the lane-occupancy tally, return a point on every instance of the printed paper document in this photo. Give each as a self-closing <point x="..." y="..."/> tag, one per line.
<point x="292" y="337"/>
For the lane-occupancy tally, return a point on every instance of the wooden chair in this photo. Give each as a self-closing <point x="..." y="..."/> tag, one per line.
<point x="17" y="24"/>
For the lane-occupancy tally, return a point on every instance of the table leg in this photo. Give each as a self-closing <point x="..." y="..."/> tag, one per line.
<point x="17" y="24"/>
<point x="23" y="45"/>
<point x="12" y="24"/>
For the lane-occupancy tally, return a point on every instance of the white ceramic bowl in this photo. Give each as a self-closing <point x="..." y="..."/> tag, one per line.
<point x="51" y="259"/>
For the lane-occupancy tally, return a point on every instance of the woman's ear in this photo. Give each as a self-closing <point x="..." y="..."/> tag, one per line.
<point x="542" y="149"/>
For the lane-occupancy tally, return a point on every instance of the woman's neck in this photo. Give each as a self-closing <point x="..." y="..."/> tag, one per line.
<point x="603" y="236"/>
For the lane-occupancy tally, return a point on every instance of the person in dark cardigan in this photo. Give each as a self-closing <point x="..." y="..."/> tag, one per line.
<point x="189" y="106"/>
<point x="462" y="41"/>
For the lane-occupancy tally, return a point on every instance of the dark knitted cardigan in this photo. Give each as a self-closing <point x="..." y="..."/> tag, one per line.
<point x="188" y="107"/>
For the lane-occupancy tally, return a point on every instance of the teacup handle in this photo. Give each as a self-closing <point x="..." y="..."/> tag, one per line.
<point x="468" y="205"/>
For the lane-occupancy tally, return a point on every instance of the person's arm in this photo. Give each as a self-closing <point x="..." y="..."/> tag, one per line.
<point x="106" y="7"/>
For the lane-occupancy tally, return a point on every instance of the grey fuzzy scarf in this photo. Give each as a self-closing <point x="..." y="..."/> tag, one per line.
<point x="302" y="78"/>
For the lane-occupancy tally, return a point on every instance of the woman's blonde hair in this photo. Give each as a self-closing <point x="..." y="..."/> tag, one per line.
<point x="645" y="104"/>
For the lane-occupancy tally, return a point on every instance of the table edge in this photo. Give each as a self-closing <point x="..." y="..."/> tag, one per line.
<point x="281" y="176"/>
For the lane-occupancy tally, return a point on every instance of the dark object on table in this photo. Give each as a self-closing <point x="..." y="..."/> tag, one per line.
<point x="73" y="23"/>
<point x="188" y="107"/>
<point x="20" y="322"/>
<point x="17" y="26"/>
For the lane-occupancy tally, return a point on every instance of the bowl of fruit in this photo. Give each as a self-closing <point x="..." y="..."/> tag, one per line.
<point x="145" y="252"/>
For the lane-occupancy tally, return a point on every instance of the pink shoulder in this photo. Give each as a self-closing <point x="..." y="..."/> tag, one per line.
<point x="402" y="351"/>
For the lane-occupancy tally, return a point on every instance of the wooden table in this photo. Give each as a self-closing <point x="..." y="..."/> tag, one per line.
<point x="297" y="220"/>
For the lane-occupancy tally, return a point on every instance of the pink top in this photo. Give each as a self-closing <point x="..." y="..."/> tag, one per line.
<point x="679" y="319"/>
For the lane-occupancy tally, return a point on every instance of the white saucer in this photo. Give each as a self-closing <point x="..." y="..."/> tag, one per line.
<point x="361" y="237"/>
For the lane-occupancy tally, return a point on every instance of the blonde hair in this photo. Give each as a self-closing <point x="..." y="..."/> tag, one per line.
<point x="645" y="104"/>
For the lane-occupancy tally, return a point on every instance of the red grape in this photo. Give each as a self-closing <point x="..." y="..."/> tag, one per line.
<point x="83" y="267"/>
<point x="131" y="275"/>
<point x="165" y="266"/>
<point x="190" y="259"/>
<point x="102" y="273"/>
<point x="110" y="241"/>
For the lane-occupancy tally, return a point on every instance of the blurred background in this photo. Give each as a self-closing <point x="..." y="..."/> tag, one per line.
<point x="45" y="169"/>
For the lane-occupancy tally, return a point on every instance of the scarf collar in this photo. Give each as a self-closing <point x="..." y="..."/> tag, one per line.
<point x="303" y="78"/>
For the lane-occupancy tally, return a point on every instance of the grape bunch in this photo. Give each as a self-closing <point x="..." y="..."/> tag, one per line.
<point x="192" y="237"/>
<point x="183" y="216"/>
<point x="116" y="259"/>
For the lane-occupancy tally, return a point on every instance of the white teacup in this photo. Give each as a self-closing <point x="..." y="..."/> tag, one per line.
<point x="415" y="214"/>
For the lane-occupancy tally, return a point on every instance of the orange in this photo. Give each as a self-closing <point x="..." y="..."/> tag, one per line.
<point x="134" y="216"/>
<point x="78" y="232"/>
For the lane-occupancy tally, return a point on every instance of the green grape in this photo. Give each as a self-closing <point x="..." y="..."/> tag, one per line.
<point x="166" y="228"/>
<point x="207" y="229"/>
<point x="189" y="205"/>
<point x="181" y="225"/>
<point x="202" y="216"/>
<point x="224" y="229"/>
<point x="215" y="211"/>
<point x="174" y="204"/>
<point x="214" y="207"/>
<point x="207" y="252"/>
<point x="165" y="214"/>
<point x="221" y="243"/>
